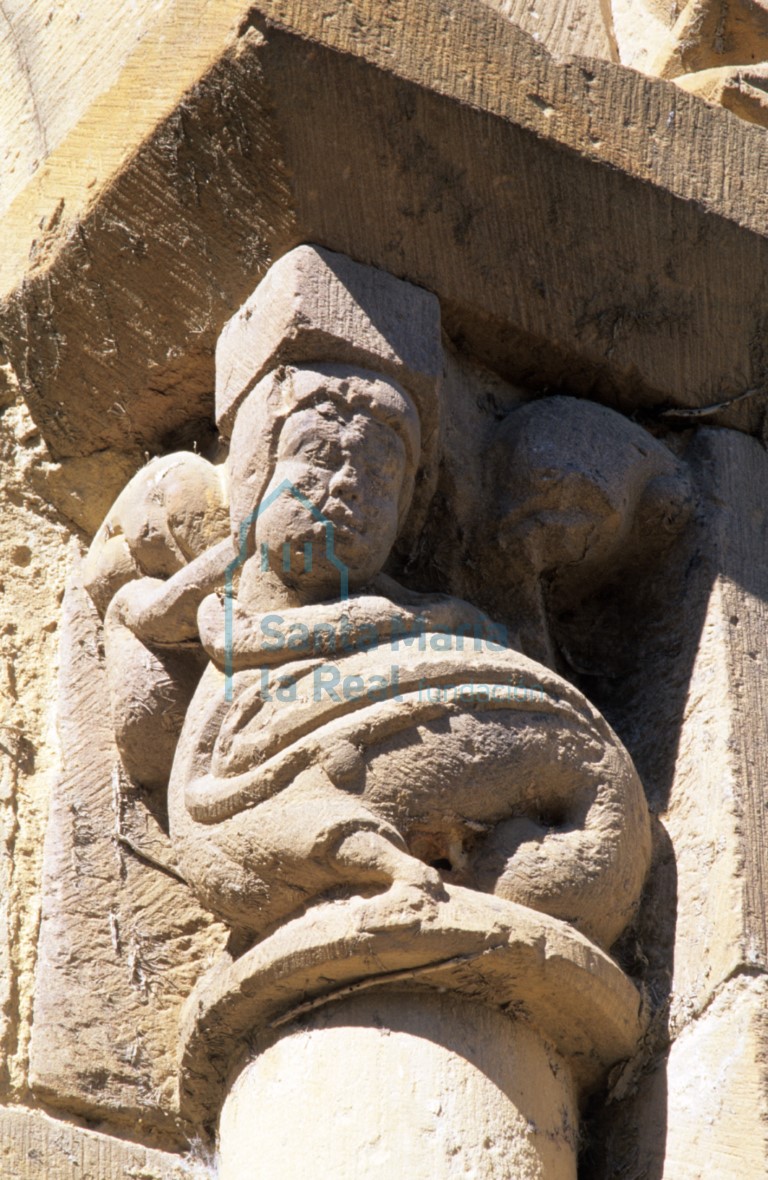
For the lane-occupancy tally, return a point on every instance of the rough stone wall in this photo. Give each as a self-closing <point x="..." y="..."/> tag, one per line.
<point x="45" y="513"/>
<point x="34" y="557"/>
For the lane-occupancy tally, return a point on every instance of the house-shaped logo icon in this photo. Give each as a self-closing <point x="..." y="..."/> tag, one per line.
<point x="286" y="488"/>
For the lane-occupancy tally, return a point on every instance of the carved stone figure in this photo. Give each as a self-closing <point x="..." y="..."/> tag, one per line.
<point x="447" y="749"/>
<point x="165" y="525"/>
<point x="429" y="750"/>
<point x="329" y="736"/>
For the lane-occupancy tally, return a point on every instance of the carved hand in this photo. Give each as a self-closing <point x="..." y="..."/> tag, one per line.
<point x="165" y="612"/>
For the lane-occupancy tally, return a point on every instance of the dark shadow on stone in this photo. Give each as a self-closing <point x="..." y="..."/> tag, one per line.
<point x="624" y="1128"/>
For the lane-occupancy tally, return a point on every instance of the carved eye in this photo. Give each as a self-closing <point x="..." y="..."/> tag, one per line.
<point x="305" y="437"/>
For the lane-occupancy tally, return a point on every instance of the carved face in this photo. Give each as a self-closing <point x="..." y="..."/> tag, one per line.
<point x="343" y="472"/>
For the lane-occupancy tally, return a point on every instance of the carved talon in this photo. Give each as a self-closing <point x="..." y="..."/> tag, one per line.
<point x="432" y="883"/>
<point x="421" y="894"/>
<point x="370" y="855"/>
<point x="410" y="900"/>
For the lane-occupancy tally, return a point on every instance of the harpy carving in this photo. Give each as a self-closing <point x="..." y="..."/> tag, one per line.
<point x="328" y="734"/>
<point x="450" y="750"/>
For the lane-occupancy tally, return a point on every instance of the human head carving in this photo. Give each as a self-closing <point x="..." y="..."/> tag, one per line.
<point x="343" y="440"/>
<point x="321" y="312"/>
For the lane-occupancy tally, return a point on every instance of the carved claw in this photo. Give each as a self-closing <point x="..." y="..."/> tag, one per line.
<point x="414" y="889"/>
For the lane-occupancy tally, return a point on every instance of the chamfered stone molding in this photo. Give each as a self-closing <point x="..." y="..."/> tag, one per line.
<point x="114" y="257"/>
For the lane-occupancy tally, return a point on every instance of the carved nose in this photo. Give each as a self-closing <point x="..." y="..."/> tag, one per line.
<point x="344" y="484"/>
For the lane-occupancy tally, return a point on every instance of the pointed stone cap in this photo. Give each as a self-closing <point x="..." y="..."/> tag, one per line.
<point x="315" y="306"/>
